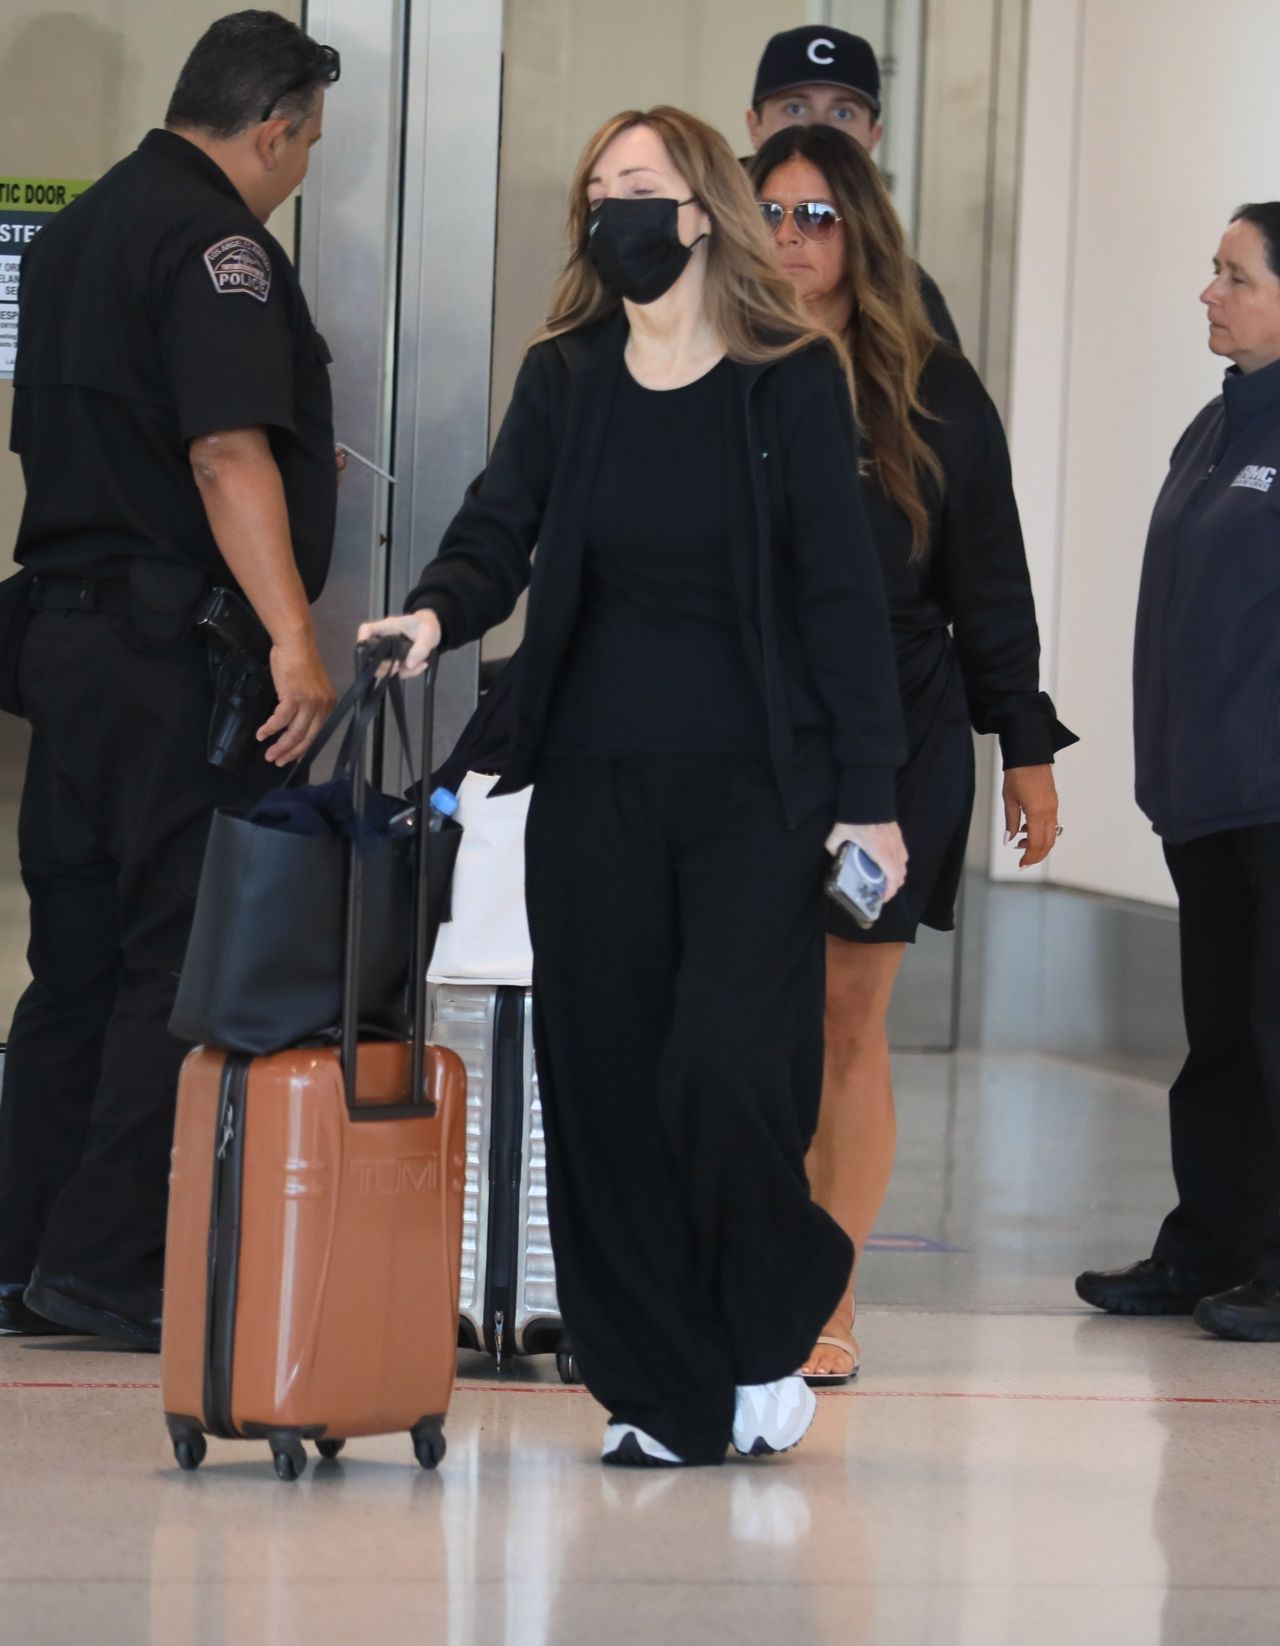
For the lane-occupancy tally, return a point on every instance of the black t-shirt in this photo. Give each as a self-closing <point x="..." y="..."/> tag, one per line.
<point x="153" y="309"/>
<point x="656" y="664"/>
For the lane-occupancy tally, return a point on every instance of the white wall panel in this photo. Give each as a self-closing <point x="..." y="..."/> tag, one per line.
<point x="1148" y="121"/>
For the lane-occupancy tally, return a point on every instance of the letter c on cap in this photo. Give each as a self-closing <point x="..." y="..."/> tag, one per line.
<point x="814" y="55"/>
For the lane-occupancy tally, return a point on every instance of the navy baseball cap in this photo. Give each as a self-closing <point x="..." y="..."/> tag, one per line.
<point x="816" y="56"/>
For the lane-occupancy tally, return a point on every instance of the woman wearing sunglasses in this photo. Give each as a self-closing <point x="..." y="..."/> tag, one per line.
<point x="705" y="696"/>
<point x="940" y="497"/>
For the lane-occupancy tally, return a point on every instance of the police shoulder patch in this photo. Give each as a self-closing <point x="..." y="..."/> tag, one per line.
<point x="239" y="264"/>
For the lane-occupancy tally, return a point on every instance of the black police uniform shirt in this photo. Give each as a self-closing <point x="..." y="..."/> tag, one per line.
<point x="1207" y="651"/>
<point x="154" y="309"/>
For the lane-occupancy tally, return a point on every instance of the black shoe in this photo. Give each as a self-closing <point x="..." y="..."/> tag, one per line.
<point x="128" y="1315"/>
<point x="1248" y="1313"/>
<point x="1152" y="1287"/>
<point x="16" y="1320"/>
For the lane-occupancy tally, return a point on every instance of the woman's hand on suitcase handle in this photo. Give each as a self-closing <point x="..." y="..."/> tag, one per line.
<point x="422" y="629"/>
<point x="882" y="842"/>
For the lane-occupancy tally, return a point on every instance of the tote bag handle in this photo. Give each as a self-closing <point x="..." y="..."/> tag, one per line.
<point x="368" y="660"/>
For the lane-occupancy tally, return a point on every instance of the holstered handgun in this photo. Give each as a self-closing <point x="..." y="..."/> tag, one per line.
<point x="239" y="658"/>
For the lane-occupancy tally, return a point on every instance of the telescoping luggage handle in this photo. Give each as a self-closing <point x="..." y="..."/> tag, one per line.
<point x="376" y="690"/>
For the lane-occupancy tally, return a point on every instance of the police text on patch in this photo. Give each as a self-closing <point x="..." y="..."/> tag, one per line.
<point x="239" y="264"/>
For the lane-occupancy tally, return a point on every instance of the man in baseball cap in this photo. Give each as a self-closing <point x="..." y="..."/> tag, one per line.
<point x="816" y="76"/>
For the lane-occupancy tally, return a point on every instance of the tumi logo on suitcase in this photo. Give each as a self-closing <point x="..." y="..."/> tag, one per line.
<point x="387" y="1177"/>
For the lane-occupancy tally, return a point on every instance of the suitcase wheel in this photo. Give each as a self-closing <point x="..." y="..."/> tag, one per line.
<point x="329" y="1449"/>
<point x="189" y="1450"/>
<point x="289" y="1457"/>
<point x="567" y="1366"/>
<point x="428" y="1444"/>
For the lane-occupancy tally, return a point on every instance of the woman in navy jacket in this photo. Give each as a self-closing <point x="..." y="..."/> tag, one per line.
<point x="1206" y="688"/>
<point x="705" y="687"/>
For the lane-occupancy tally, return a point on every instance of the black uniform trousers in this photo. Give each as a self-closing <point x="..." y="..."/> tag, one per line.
<point x="115" y="814"/>
<point x="1225" y="1104"/>
<point x="678" y="998"/>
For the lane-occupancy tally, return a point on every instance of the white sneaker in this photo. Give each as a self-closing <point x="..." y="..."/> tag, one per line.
<point x="629" y="1447"/>
<point x="772" y="1417"/>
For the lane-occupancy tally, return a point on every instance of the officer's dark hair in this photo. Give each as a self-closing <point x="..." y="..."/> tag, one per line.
<point x="250" y="67"/>
<point x="1266" y="219"/>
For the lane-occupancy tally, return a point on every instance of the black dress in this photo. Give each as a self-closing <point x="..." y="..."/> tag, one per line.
<point x="968" y="649"/>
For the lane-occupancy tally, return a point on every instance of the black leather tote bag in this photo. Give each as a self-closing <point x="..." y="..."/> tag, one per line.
<point x="265" y="963"/>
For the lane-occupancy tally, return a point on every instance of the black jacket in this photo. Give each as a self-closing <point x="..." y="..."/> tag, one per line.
<point x="1206" y="673"/>
<point x="973" y="577"/>
<point x="810" y="598"/>
<point x="935" y="306"/>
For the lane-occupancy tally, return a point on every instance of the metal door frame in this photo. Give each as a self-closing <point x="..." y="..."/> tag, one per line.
<point x="396" y="254"/>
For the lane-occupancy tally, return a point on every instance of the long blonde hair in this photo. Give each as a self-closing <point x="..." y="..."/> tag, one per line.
<point x="750" y="302"/>
<point x="890" y="337"/>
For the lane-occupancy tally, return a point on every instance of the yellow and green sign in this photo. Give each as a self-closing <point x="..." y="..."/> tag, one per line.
<point x="26" y="205"/>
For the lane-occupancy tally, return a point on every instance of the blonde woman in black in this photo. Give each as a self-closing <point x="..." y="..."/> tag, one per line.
<point x="940" y="499"/>
<point x="705" y="698"/>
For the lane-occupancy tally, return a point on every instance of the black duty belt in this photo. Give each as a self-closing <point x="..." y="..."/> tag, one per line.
<point x="111" y="595"/>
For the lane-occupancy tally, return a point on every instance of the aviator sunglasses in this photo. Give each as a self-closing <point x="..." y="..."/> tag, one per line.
<point x="815" y="219"/>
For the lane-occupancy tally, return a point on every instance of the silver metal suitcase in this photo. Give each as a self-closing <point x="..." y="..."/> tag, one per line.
<point x="508" y="1299"/>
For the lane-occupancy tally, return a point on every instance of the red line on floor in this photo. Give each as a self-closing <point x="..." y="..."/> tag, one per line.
<point x="838" y="1394"/>
<point x="931" y="1394"/>
<point x="34" y="1385"/>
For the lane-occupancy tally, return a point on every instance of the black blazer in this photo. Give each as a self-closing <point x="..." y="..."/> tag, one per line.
<point x="973" y="578"/>
<point x="809" y="594"/>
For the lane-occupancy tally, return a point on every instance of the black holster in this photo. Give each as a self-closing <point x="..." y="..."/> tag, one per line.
<point x="239" y="660"/>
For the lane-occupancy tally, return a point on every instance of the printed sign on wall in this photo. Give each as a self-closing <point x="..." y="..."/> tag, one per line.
<point x="26" y="205"/>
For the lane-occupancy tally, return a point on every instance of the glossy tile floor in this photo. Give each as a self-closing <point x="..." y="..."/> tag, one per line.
<point x="1011" y="1471"/>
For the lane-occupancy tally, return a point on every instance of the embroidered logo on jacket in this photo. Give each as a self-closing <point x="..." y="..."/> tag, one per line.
<point x="239" y="265"/>
<point x="1255" y="477"/>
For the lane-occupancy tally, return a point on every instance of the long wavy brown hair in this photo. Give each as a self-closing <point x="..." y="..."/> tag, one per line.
<point x="750" y="302"/>
<point x="890" y="336"/>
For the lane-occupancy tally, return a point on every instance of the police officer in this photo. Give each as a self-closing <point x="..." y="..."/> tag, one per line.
<point x="1206" y="697"/>
<point x="815" y="76"/>
<point x="173" y="417"/>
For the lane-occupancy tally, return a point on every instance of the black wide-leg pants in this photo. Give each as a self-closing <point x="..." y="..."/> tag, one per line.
<point x="678" y="998"/>
<point x="116" y="808"/>
<point x="1224" y="1107"/>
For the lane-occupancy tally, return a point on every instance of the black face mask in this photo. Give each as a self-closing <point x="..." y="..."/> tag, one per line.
<point x="635" y="246"/>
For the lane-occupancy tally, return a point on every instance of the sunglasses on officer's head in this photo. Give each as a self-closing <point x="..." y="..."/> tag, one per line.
<point x="323" y="73"/>
<point x="815" y="219"/>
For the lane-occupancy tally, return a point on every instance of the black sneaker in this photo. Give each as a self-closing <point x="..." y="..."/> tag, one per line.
<point x="1246" y="1314"/>
<point x="16" y="1320"/>
<point x="130" y="1316"/>
<point x="1152" y="1287"/>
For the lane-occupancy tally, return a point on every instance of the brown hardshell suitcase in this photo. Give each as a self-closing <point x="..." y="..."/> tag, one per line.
<point x="314" y="1246"/>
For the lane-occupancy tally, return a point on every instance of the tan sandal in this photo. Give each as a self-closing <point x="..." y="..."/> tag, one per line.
<point x="847" y="1345"/>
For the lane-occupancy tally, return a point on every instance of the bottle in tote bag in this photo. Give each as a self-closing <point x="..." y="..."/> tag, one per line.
<point x="442" y="807"/>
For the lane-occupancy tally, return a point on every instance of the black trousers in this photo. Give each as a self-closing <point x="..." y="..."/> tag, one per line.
<point x="678" y="998"/>
<point x="115" y="813"/>
<point x="1224" y="1107"/>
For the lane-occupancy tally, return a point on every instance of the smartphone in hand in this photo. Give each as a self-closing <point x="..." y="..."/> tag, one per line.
<point x="857" y="885"/>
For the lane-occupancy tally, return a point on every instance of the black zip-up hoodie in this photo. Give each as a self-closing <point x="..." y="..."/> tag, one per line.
<point x="809" y="593"/>
<point x="1206" y="672"/>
